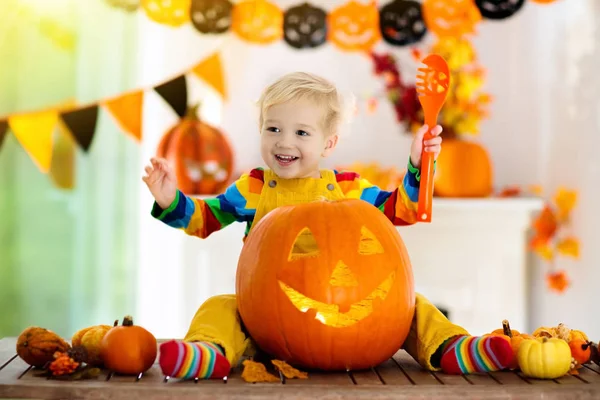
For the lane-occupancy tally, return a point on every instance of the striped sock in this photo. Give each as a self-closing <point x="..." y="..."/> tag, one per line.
<point x="469" y="354"/>
<point x="189" y="360"/>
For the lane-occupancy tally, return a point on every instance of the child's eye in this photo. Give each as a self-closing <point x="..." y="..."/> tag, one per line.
<point x="302" y="133"/>
<point x="273" y="129"/>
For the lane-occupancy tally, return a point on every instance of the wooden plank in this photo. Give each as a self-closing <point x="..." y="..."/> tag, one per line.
<point x="447" y="379"/>
<point x="481" y="379"/>
<point x="589" y="375"/>
<point x="366" y="377"/>
<point x="535" y="381"/>
<point x="391" y="374"/>
<point x="508" y="378"/>
<point x="569" y="380"/>
<point x="323" y="378"/>
<point x="593" y="367"/>
<point x="414" y="371"/>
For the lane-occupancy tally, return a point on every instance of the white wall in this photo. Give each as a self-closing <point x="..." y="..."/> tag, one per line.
<point x="543" y="129"/>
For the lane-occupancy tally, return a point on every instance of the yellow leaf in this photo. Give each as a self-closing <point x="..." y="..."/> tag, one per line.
<point x="537" y="190"/>
<point x="565" y="201"/>
<point x="544" y="251"/>
<point x="568" y="247"/>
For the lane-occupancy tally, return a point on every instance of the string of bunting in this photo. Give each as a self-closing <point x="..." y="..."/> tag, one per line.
<point x="353" y="26"/>
<point x="35" y="129"/>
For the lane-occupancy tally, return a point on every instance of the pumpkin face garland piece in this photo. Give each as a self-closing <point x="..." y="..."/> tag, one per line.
<point x="305" y="26"/>
<point x="544" y="358"/>
<point x="257" y="21"/>
<point x="171" y="12"/>
<point x="354" y="26"/>
<point x="401" y="22"/>
<point x="128" y="349"/>
<point x="498" y="9"/>
<point x="451" y="17"/>
<point x="338" y="281"/>
<point x="211" y="16"/>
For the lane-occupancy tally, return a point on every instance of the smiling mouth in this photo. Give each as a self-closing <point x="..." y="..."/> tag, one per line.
<point x="285" y="160"/>
<point x="354" y="39"/>
<point x="329" y="314"/>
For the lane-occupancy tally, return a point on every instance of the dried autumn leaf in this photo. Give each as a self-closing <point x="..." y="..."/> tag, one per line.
<point x="568" y="247"/>
<point x="510" y="191"/>
<point x="288" y="371"/>
<point x="536" y="190"/>
<point x="543" y="250"/>
<point x="545" y="224"/>
<point x="558" y="281"/>
<point x="256" y="372"/>
<point x="565" y="202"/>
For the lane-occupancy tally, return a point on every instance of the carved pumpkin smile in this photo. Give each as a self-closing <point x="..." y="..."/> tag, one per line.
<point x="329" y="314"/>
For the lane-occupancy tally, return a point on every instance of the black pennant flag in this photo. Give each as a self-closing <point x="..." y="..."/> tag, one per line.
<point x="3" y="129"/>
<point x="175" y="93"/>
<point x="82" y="124"/>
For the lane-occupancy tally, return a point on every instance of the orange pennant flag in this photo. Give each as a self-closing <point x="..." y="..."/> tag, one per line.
<point x="127" y="111"/>
<point x="34" y="132"/>
<point x="210" y="70"/>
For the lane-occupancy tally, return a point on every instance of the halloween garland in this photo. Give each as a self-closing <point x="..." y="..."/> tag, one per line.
<point x="353" y="26"/>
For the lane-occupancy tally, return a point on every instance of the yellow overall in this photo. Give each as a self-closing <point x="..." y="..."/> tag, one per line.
<point x="218" y="321"/>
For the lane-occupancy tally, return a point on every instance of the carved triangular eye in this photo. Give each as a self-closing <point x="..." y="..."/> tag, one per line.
<point x="342" y="276"/>
<point x="305" y="245"/>
<point x="368" y="243"/>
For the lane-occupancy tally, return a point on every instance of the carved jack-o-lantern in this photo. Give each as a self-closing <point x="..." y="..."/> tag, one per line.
<point x="172" y="12"/>
<point x="354" y="26"/>
<point x="211" y="16"/>
<point x="305" y="26"/>
<point x="401" y="22"/>
<point x="326" y="285"/>
<point x="257" y="21"/>
<point x="498" y="9"/>
<point x="451" y="17"/>
<point x="200" y="154"/>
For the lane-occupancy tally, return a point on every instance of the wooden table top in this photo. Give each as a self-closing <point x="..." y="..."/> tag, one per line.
<point x="398" y="378"/>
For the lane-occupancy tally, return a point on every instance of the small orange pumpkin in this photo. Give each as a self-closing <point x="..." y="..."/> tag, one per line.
<point x="516" y="339"/>
<point x="200" y="154"/>
<point x="354" y="26"/>
<point x="463" y="169"/>
<point x="257" y="21"/>
<point x="172" y="12"/>
<point x="580" y="351"/>
<point x="128" y="349"/>
<point x="451" y="17"/>
<point x="315" y="299"/>
<point x="36" y="346"/>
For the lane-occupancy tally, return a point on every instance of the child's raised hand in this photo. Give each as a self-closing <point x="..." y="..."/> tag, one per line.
<point x="433" y="145"/>
<point x="161" y="181"/>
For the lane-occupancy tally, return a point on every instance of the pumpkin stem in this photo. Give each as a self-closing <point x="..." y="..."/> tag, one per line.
<point x="128" y="320"/>
<point x="506" y="328"/>
<point x="192" y="112"/>
<point x="116" y="323"/>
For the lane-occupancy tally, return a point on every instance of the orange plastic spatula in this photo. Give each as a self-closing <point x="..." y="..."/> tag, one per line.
<point x="432" y="88"/>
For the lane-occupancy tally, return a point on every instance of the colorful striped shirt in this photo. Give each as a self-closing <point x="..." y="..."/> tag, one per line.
<point x="238" y="203"/>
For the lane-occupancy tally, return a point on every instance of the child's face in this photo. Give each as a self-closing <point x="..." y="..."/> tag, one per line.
<point x="293" y="140"/>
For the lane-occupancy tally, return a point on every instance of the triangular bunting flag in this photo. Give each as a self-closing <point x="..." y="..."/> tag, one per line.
<point x="82" y="124"/>
<point x="175" y="93"/>
<point x="34" y="132"/>
<point x="127" y="112"/>
<point x="3" y="129"/>
<point x="210" y="70"/>
<point x="62" y="167"/>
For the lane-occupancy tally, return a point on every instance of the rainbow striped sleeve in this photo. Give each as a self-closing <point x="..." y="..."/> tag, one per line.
<point x="202" y="217"/>
<point x="400" y="206"/>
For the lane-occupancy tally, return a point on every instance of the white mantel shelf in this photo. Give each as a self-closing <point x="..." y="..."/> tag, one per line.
<point x="471" y="259"/>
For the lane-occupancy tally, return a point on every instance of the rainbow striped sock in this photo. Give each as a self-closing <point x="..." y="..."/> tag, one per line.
<point x="469" y="354"/>
<point x="189" y="360"/>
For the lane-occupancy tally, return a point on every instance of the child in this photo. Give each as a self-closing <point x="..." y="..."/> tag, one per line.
<point x="299" y="118"/>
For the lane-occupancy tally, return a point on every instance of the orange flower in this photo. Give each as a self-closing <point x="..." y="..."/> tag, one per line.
<point x="558" y="281"/>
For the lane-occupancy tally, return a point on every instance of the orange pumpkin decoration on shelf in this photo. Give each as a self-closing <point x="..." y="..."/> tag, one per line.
<point x="463" y="169"/>
<point x="451" y="17"/>
<point x="172" y="12"/>
<point x="36" y="346"/>
<point x="354" y="26"/>
<point x="515" y="338"/>
<point x="200" y="154"/>
<point x="128" y="349"/>
<point x="257" y="21"/>
<point x="338" y="281"/>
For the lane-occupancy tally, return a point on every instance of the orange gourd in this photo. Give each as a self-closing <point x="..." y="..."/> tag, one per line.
<point x="515" y="338"/>
<point x="326" y="285"/>
<point x="257" y="21"/>
<point x="200" y="154"/>
<point x="580" y="351"/>
<point x="354" y="26"/>
<point x="36" y="346"/>
<point x="128" y="349"/>
<point x="463" y="169"/>
<point x="451" y="17"/>
<point x="172" y="12"/>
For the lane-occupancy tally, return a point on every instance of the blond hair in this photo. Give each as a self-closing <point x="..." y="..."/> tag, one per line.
<point x="304" y="85"/>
